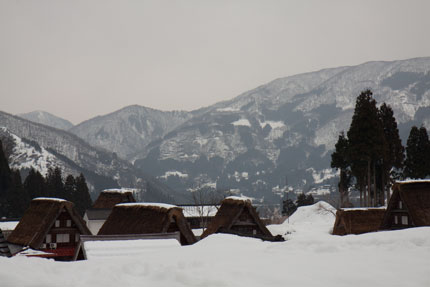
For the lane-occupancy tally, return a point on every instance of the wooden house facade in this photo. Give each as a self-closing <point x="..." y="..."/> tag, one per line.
<point x="147" y="218"/>
<point x="409" y="206"/>
<point x="238" y="216"/>
<point x="50" y="225"/>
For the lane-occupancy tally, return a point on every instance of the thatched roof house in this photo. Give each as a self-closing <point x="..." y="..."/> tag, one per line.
<point x="146" y="218"/>
<point x="358" y="220"/>
<point x="237" y="216"/>
<point x="108" y="198"/>
<point x="409" y="205"/>
<point x="50" y="224"/>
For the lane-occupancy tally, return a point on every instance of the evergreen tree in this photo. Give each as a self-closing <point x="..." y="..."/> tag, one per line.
<point x="367" y="143"/>
<point x="35" y="185"/>
<point x="339" y="160"/>
<point x="83" y="198"/>
<point x="303" y="200"/>
<point x="417" y="154"/>
<point x="70" y="188"/>
<point x="54" y="183"/>
<point x="18" y="196"/>
<point x="288" y="207"/>
<point x="394" y="151"/>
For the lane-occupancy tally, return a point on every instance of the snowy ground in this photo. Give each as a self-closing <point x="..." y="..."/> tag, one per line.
<point x="310" y="257"/>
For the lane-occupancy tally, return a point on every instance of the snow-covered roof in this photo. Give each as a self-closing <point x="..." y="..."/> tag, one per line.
<point x="362" y="208"/>
<point x="148" y="204"/>
<point x="413" y="180"/>
<point x="50" y="198"/>
<point x="8" y="225"/>
<point x="240" y="198"/>
<point x="120" y="190"/>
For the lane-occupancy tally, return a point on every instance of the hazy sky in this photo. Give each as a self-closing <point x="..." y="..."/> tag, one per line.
<point x="78" y="59"/>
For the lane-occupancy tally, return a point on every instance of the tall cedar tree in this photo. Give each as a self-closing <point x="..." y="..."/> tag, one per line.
<point x="394" y="150"/>
<point x="366" y="143"/>
<point x="339" y="160"/>
<point x="417" y="163"/>
<point x="35" y="185"/>
<point x="54" y="183"/>
<point x="83" y="198"/>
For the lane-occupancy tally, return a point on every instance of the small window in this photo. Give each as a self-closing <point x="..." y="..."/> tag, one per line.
<point x="63" y="238"/>
<point x="396" y="221"/>
<point x="48" y="238"/>
<point x="404" y="220"/>
<point x="68" y="223"/>
<point x="400" y="204"/>
<point x="57" y="223"/>
<point x="76" y="237"/>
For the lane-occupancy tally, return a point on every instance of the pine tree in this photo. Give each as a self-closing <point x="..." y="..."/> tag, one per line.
<point x="417" y="154"/>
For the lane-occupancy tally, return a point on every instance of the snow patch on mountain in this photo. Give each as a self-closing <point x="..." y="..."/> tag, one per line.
<point x="26" y="156"/>
<point x="242" y="122"/>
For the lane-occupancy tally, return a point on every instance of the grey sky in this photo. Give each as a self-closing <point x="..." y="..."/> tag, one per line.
<point x="79" y="59"/>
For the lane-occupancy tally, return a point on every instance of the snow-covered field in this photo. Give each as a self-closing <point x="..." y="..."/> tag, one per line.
<point x="310" y="257"/>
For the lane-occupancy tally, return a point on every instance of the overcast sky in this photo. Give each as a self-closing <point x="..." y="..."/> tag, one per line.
<point x="79" y="59"/>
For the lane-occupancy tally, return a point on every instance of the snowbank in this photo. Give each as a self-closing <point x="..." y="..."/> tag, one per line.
<point x="310" y="257"/>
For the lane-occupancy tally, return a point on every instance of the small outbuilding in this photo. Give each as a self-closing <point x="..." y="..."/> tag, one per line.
<point x="358" y="220"/>
<point x="4" y="247"/>
<point x="50" y="225"/>
<point x="105" y="246"/>
<point x="147" y="218"/>
<point x="409" y="206"/>
<point x="237" y="216"/>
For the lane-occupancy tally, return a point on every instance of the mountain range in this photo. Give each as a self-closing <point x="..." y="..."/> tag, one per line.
<point x="281" y="131"/>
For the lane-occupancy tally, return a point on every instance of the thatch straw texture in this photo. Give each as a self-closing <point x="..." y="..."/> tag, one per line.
<point x="38" y="220"/>
<point x="358" y="221"/>
<point x="108" y="199"/>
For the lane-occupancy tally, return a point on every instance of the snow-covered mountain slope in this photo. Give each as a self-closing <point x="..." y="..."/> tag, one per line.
<point x="287" y="127"/>
<point x="130" y="129"/>
<point x="101" y="168"/>
<point x="47" y="119"/>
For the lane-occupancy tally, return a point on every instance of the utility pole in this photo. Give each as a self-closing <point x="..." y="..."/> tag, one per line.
<point x="286" y="187"/>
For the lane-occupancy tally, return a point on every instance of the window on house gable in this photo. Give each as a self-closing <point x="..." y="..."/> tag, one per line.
<point x="400" y="205"/>
<point x="404" y="220"/>
<point x="63" y="238"/>
<point x="396" y="221"/>
<point x="68" y="223"/>
<point x="48" y="238"/>
<point x="57" y="223"/>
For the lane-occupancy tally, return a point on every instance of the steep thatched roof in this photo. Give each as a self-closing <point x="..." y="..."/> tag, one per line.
<point x="358" y="221"/>
<point x="228" y="214"/>
<point x="39" y="218"/>
<point x="415" y="195"/>
<point x="111" y="197"/>
<point x="146" y="218"/>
